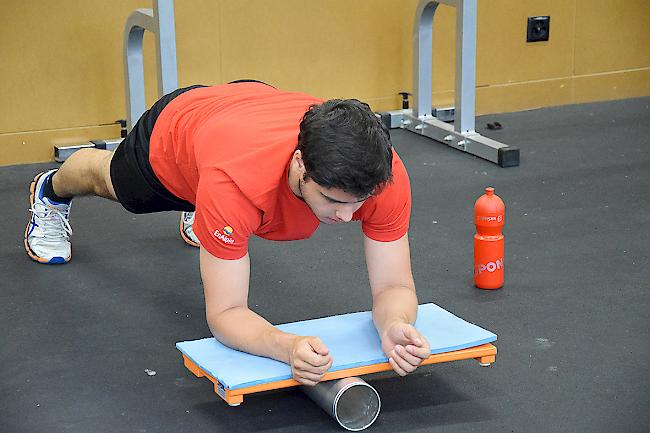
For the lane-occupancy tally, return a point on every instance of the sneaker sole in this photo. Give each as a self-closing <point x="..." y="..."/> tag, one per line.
<point x="185" y="238"/>
<point x="30" y="253"/>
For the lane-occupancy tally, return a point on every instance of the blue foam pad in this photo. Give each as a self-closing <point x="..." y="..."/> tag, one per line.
<point x="351" y="338"/>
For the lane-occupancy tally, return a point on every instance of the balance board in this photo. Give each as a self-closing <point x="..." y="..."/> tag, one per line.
<point x="353" y="343"/>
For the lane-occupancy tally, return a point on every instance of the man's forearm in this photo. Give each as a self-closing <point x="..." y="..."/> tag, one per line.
<point x="245" y="330"/>
<point x="395" y="304"/>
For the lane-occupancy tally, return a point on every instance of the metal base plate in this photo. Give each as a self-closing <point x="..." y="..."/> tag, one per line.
<point x="61" y="153"/>
<point x="470" y="142"/>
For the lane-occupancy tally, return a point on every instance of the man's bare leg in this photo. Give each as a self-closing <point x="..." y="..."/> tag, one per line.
<point x="47" y="235"/>
<point x="85" y="172"/>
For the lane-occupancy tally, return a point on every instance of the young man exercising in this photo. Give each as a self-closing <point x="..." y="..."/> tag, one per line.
<point x="245" y="158"/>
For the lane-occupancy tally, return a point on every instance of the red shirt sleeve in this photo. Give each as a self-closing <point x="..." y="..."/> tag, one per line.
<point x="224" y="218"/>
<point x="386" y="216"/>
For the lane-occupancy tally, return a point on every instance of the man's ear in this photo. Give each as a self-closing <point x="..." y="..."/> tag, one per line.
<point x="297" y="157"/>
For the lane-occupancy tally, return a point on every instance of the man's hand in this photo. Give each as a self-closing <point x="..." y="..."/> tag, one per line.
<point x="309" y="360"/>
<point x="405" y="347"/>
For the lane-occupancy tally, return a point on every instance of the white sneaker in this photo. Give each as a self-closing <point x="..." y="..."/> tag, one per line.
<point x="187" y="232"/>
<point x="47" y="236"/>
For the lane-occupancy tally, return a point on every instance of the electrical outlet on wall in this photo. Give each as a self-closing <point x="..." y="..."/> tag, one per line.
<point x="539" y="29"/>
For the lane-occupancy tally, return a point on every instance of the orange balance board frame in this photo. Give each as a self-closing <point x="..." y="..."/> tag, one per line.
<point x="485" y="354"/>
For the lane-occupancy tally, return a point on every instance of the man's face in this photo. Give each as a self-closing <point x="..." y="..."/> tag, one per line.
<point x="330" y="205"/>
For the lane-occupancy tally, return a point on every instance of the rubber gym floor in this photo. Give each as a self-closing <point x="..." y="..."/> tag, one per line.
<point x="572" y="319"/>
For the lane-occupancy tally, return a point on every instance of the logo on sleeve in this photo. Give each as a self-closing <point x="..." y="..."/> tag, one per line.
<point x="225" y="236"/>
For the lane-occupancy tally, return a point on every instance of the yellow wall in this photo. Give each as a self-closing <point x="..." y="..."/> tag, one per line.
<point x="62" y="72"/>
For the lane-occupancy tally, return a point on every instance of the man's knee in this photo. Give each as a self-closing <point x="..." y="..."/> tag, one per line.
<point x="97" y="171"/>
<point x="104" y="183"/>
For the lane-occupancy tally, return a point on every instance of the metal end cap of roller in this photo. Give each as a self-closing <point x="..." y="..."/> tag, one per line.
<point x="356" y="405"/>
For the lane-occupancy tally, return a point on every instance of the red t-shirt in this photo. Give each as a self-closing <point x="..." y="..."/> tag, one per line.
<point x="227" y="149"/>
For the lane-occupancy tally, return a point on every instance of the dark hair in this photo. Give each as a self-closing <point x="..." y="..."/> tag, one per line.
<point x="345" y="146"/>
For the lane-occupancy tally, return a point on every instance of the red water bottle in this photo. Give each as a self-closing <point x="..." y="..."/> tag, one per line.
<point x="489" y="215"/>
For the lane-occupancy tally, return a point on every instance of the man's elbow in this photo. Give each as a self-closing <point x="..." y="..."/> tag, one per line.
<point x="217" y="317"/>
<point x="395" y="290"/>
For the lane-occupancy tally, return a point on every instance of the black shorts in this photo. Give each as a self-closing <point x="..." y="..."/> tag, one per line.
<point x="136" y="186"/>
